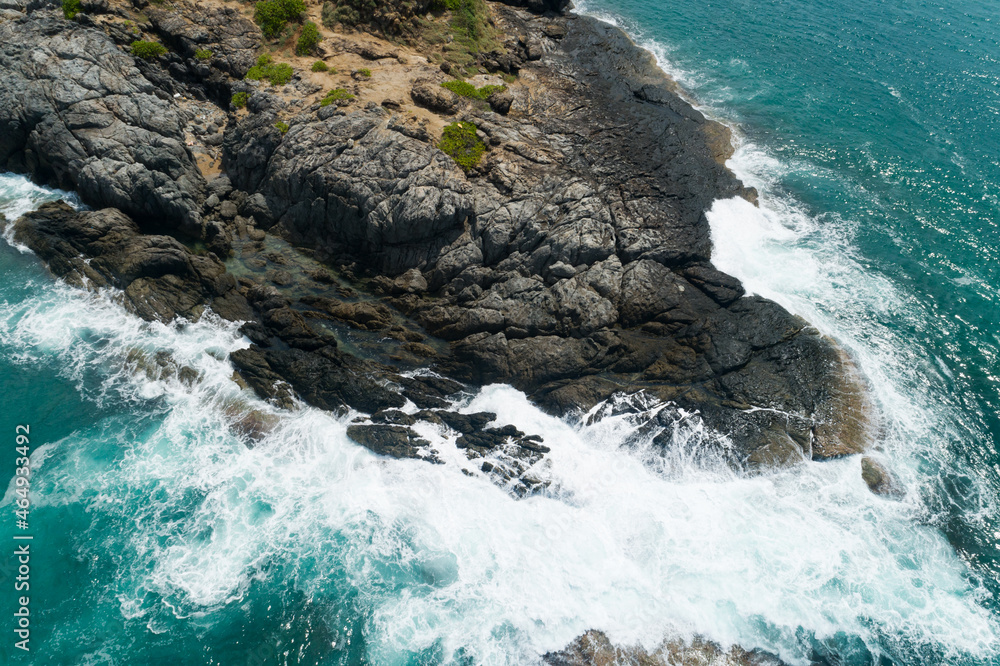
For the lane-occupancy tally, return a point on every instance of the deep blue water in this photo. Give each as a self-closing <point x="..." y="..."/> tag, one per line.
<point x="872" y="131"/>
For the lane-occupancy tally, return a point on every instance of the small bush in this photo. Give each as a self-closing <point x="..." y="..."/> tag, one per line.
<point x="203" y="54"/>
<point x="71" y="8"/>
<point x="365" y="72"/>
<point x="308" y="40"/>
<point x="282" y="127"/>
<point x="459" y="140"/>
<point x="273" y="15"/>
<point x="239" y="100"/>
<point x="466" y="89"/>
<point x="148" y="50"/>
<point x="278" y="74"/>
<point x="320" y="66"/>
<point x="335" y="95"/>
<point x="460" y="88"/>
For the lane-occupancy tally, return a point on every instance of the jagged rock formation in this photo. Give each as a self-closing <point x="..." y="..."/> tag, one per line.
<point x="594" y="649"/>
<point x="159" y="277"/>
<point x="77" y="114"/>
<point x="574" y="262"/>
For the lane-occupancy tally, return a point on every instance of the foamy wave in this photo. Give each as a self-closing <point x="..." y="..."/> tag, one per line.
<point x="437" y="558"/>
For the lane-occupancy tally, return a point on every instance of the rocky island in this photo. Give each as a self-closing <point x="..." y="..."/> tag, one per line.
<point x="406" y="201"/>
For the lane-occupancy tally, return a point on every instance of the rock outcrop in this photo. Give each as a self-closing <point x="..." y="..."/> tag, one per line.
<point x="575" y="261"/>
<point x="158" y="276"/>
<point x="77" y="114"/>
<point x="595" y="649"/>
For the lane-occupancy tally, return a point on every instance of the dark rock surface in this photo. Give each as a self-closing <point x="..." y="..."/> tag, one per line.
<point x="233" y="40"/>
<point x="77" y="114"/>
<point x="159" y="277"/>
<point x="390" y="440"/>
<point x="574" y="261"/>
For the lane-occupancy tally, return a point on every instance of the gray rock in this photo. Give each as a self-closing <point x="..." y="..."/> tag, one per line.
<point x="220" y="186"/>
<point x="430" y="95"/>
<point x="78" y="115"/>
<point x="501" y="101"/>
<point x="228" y="210"/>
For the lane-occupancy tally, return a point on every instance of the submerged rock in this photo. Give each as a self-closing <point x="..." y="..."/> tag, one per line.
<point x="878" y="479"/>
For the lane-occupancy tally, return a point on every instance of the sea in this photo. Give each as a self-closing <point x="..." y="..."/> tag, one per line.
<point x="871" y="130"/>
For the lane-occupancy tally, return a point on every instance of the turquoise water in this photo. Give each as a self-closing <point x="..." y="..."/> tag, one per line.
<point x="871" y="131"/>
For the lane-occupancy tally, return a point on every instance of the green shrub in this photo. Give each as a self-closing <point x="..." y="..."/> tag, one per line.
<point x="266" y="69"/>
<point x="283" y="127"/>
<point x="335" y="95"/>
<point x="273" y="15"/>
<point x="462" y="88"/>
<point x="148" y="50"/>
<point x="320" y="66"/>
<point x="239" y="100"/>
<point x="308" y="40"/>
<point x="203" y="54"/>
<point x="365" y="72"/>
<point x="466" y="89"/>
<point x="71" y="8"/>
<point x="349" y="12"/>
<point x="459" y="140"/>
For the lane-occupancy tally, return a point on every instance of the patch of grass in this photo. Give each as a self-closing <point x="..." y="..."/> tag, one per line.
<point x="148" y="50"/>
<point x="308" y="40"/>
<point x="239" y="100"/>
<point x="320" y="66"/>
<point x="203" y="54"/>
<point x="335" y="95"/>
<point x="460" y="141"/>
<point x="278" y="74"/>
<point x="465" y="89"/>
<point x="71" y="8"/>
<point x="468" y="31"/>
<point x="282" y="126"/>
<point x="365" y="72"/>
<point x="273" y="15"/>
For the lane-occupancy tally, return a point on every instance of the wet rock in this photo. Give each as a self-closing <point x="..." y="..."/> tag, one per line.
<point x="365" y="315"/>
<point x="329" y="380"/>
<point x="390" y="440"/>
<point x="280" y="278"/>
<point x="595" y="649"/>
<point x="160" y="279"/>
<point x="878" y="479"/>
